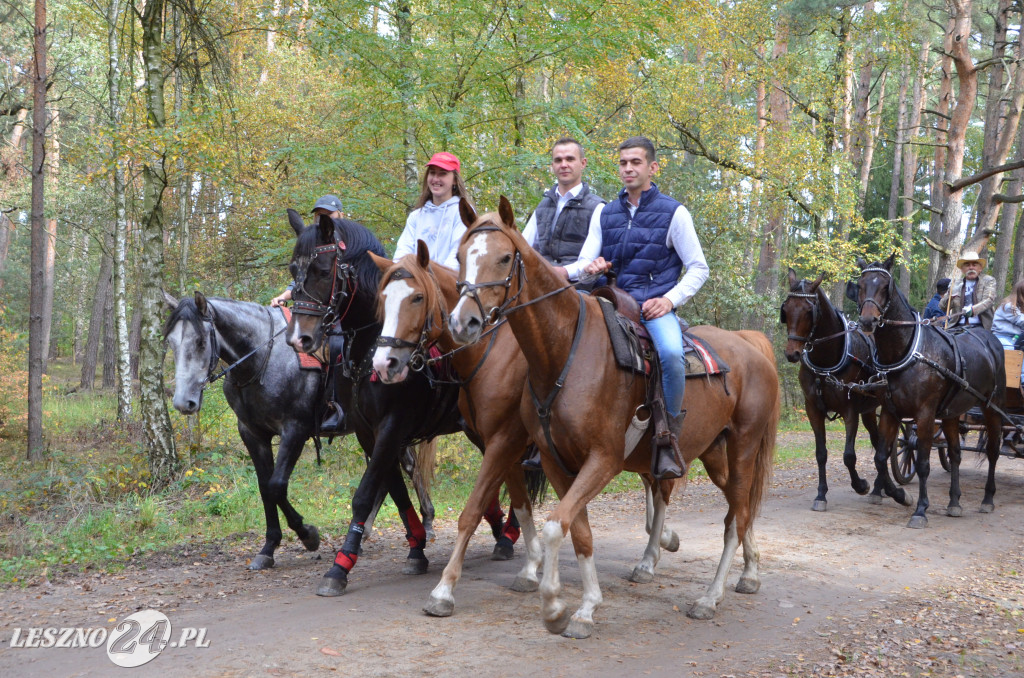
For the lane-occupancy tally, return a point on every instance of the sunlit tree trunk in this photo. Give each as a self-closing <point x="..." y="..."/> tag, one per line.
<point x="403" y="18"/>
<point x="156" y="423"/>
<point x="50" y="262"/>
<point x="120" y="253"/>
<point x="910" y="167"/>
<point x="38" y="239"/>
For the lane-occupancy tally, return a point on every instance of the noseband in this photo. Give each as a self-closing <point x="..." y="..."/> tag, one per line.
<point x="420" y="349"/>
<point x="468" y="289"/>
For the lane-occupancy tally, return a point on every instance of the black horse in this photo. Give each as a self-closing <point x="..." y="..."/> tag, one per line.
<point x="335" y="280"/>
<point x="832" y="356"/>
<point x="926" y="374"/>
<point x="270" y="395"/>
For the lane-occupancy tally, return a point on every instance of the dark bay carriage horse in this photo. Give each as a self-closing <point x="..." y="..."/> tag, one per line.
<point x="832" y="356"/>
<point x="568" y="351"/>
<point x="925" y="373"/>
<point x="415" y="296"/>
<point x="269" y="393"/>
<point x="335" y="279"/>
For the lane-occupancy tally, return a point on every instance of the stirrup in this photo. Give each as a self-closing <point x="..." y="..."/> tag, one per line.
<point x="666" y="461"/>
<point x="334" y="420"/>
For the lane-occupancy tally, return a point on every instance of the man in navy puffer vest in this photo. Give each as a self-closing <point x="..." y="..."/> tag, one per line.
<point x="647" y="239"/>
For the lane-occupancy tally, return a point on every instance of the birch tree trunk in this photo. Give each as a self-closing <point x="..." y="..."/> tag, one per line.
<point x="124" y="372"/>
<point x="38" y="239"/>
<point x="156" y="422"/>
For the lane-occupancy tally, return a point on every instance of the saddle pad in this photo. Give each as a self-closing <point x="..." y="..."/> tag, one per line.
<point x="307" y="361"/>
<point x="701" y="359"/>
<point x="626" y="344"/>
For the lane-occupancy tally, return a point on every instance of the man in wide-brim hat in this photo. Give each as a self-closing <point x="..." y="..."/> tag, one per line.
<point x="971" y="299"/>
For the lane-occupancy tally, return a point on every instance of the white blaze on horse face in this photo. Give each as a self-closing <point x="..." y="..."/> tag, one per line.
<point x="190" y="367"/>
<point x="395" y="294"/>
<point x="476" y="250"/>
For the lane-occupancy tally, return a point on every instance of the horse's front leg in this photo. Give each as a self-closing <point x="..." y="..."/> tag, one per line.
<point x="951" y="427"/>
<point x="871" y="426"/>
<point x="816" y="417"/>
<point x="859" y="485"/>
<point x="262" y="460"/>
<point x="288" y="452"/>
<point x="888" y="428"/>
<point x="925" y="435"/>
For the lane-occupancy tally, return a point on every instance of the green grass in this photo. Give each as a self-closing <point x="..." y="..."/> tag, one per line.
<point x="89" y="505"/>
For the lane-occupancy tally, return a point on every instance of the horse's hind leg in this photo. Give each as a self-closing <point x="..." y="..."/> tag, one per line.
<point x="262" y="460"/>
<point x="422" y="487"/>
<point x="871" y="426"/>
<point x="888" y="428"/>
<point x="994" y="427"/>
<point x="669" y="539"/>
<point x="643" y="573"/>
<point x="415" y="534"/>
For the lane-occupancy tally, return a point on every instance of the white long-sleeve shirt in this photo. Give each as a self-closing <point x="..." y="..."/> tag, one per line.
<point x="682" y="237"/>
<point x="440" y="226"/>
<point x="530" y="231"/>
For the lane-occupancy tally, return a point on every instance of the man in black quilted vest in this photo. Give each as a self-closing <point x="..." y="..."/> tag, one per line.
<point x="567" y="213"/>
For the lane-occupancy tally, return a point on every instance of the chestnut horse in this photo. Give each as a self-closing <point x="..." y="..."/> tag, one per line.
<point x="832" y="356"/>
<point x="929" y="374"/>
<point x="589" y="403"/>
<point x="413" y="300"/>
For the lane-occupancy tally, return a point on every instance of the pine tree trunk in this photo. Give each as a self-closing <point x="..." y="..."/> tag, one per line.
<point x="156" y="422"/>
<point x="38" y="239"/>
<point x="942" y="107"/>
<point x="5" y="244"/>
<point x="910" y="167"/>
<point x="109" y="340"/>
<point x="92" y="343"/>
<point x="79" y="262"/>
<point x="50" y="262"/>
<point x="1007" y="236"/>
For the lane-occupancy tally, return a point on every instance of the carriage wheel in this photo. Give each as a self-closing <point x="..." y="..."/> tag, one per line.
<point x="901" y="459"/>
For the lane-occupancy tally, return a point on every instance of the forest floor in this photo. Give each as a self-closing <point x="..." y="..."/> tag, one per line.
<point x="849" y="592"/>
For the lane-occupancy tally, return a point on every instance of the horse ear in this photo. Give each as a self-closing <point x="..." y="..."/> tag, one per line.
<point x="816" y="283"/>
<point x="792" y="277"/>
<point x="467" y="213"/>
<point x="169" y="299"/>
<point x="326" y="229"/>
<point x="890" y="261"/>
<point x="508" y="217"/>
<point x="422" y="254"/>
<point x="382" y="263"/>
<point x="201" y="304"/>
<point x="862" y="263"/>
<point x="295" y="221"/>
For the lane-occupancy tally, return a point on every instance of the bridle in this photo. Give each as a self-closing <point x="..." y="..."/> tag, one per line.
<point x="343" y="286"/>
<point x="420" y="349"/>
<point x="471" y="290"/>
<point x="815" y="313"/>
<point x="882" y="310"/>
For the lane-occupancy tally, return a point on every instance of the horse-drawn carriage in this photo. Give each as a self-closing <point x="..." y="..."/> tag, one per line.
<point x="902" y="458"/>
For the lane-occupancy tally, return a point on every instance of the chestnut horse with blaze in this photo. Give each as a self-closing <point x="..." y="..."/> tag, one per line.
<point x="414" y="296"/>
<point x="566" y="344"/>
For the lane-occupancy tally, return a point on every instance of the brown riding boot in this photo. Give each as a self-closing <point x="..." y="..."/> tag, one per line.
<point x="666" y="461"/>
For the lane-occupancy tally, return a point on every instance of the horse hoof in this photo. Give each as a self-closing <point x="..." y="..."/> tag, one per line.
<point x="641" y="576"/>
<point x="439" y="607"/>
<point x="875" y="499"/>
<point x="918" y="522"/>
<point x="524" y="585"/>
<point x="673" y="543"/>
<point x="819" y="505"/>
<point x="560" y="623"/>
<point x="954" y="511"/>
<point x="430" y="533"/>
<point x="748" y="585"/>
<point x="503" y="550"/>
<point x="261" y="562"/>
<point x="862" y="487"/>
<point x="312" y="540"/>
<point x="415" y="566"/>
<point x="329" y="587"/>
<point x="987" y="508"/>
<point x="578" y="629"/>
<point x="701" y="610"/>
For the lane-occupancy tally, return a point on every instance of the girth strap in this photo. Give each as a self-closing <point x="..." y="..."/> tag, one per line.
<point x="544" y="409"/>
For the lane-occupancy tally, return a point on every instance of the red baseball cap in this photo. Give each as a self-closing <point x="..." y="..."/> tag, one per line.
<point x="445" y="161"/>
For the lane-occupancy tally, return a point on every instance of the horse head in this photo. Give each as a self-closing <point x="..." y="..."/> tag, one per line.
<point x="320" y="281"/>
<point x="799" y="313"/>
<point x="876" y="291"/>
<point x="489" y="265"/>
<point x="190" y="332"/>
<point x="412" y="312"/>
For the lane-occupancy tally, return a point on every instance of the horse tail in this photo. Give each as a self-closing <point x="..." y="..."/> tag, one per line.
<point x="536" y="485"/>
<point x="765" y="455"/>
<point x="426" y="461"/>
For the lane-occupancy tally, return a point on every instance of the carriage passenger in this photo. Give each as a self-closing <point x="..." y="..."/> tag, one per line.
<point x="435" y="219"/>
<point x="971" y="300"/>
<point x="932" y="309"/>
<point x="1008" y="322"/>
<point x="648" y="239"/>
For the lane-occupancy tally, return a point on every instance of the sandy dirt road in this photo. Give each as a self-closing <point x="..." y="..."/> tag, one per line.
<point x="832" y="583"/>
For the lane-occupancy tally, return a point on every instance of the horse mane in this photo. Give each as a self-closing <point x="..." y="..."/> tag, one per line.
<point x="423" y="277"/>
<point x="358" y="240"/>
<point x="185" y="310"/>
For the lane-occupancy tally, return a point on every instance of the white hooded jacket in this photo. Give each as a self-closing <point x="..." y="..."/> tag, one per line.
<point x="440" y="226"/>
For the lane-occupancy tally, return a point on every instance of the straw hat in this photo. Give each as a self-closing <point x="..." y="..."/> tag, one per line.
<point x="970" y="256"/>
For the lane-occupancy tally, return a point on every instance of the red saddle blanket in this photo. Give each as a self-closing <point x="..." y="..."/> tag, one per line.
<point x="307" y="361"/>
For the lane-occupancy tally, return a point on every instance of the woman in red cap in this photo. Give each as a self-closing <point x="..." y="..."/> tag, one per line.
<point x="435" y="219"/>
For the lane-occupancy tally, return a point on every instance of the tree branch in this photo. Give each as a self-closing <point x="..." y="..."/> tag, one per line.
<point x="936" y="246"/>
<point x="984" y="174"/>
<point x="1002" y="197"/>
<point x="922" y="204"/>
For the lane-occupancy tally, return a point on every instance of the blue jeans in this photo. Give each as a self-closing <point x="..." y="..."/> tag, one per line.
<point x="668" y="340"/>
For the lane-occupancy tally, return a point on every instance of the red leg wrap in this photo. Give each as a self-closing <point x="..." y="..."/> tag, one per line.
<point x="346" y="560"/>
<point x="415" y="533"/>
<point x="511" y="531"/>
